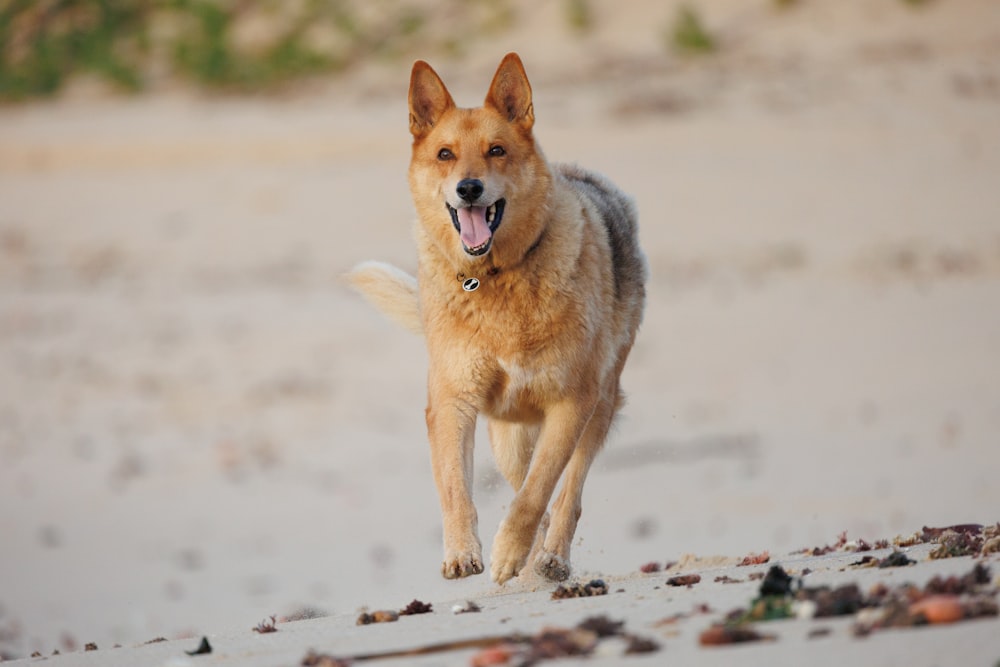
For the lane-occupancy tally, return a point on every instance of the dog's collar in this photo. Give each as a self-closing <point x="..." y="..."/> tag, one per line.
<point x="471" y="283"/>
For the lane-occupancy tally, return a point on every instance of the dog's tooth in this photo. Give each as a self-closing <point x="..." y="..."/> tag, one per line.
<point x="491" y="213"/>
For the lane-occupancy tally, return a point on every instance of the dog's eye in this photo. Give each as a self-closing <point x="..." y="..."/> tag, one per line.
<point x="497" y="151"/>
<point x="445" y="154"/>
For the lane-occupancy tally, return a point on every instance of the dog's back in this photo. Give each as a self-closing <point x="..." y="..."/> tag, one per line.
<point x="620" y="219"/>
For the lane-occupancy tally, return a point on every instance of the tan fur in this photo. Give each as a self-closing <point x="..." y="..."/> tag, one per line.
<point x="539" y="347"/>
<point x="391" y="290"/>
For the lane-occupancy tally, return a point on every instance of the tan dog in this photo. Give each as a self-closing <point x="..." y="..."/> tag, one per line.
<point x="530" y="290"/>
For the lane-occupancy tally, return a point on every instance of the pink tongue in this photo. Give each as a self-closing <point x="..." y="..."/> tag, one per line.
<point x="475" y="232"/>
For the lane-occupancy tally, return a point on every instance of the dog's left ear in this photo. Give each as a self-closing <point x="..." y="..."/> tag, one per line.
<point x="510" y="92"/>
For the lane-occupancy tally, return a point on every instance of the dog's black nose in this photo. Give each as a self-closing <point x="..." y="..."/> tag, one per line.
<point x="470" y="189"/>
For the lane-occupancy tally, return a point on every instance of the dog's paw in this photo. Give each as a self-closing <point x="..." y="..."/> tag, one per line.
<point x="552" y="566"/>
<point x="504" y="570"/>
<point x="463" y="565"/>
<point x="510" y="553"/>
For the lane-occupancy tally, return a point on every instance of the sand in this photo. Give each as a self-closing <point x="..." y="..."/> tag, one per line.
<point x="201" y="426"/>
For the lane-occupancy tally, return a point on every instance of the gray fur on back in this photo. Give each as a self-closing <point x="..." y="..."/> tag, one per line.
<point x="621" y="221"/>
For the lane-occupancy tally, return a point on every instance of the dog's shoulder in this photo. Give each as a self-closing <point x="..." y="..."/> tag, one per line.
<point x="620" y="220"/>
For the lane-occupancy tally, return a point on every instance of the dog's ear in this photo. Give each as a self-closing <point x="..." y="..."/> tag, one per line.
<point x="510" y="92"/>
<point x="429" y="99"/>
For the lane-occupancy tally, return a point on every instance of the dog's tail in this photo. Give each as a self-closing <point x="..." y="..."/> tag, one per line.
<point x="391" y="290"/>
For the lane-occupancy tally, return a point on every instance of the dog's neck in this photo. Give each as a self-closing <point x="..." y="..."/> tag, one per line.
<point x="471" y="277"/>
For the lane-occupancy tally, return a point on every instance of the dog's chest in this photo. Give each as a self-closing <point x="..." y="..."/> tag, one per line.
<point x="524" y="389"/>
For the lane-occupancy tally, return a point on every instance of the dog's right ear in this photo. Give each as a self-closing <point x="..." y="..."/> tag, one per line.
<point x="429" y="99"/>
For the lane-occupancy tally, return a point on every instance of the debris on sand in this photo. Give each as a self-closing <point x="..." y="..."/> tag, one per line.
<point x="391" y="616"/>
<point x="755" y="559"/>
<point x="896" y="559"/>
<point x="688" y="580"/>
<point x="776" y="582"/>
<point x="843" y="544"/>
<point x="204" y="648"/>
<point x="958" y="541"/>
<point x="416" y="607"/>
<point x="591" y="588"/>
<point x="551" y="643"/>
<point x="313" y="659"/>
<point x="380" y="616"/>
<point x="941" y="600"/>
<point x="468" y="607"/>
<point x="965" y="539"/>
<point x="548" y="643"/>
<point x="720" y="635"/>
<point x="267" y="625"/>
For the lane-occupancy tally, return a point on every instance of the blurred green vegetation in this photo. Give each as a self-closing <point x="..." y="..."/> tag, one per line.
<point x="238" y="45"/>
<point x="261" y="45"/>
<point x="688" y="33"/>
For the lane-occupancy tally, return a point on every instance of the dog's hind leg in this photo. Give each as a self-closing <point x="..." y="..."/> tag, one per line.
<point x="552" y="560"/>
<point x="512" y="444"/>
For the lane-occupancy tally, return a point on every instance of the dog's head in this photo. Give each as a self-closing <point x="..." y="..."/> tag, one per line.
<point x="469" y="164"/>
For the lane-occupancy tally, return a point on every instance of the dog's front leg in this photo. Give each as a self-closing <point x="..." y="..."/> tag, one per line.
<point x="451" y="429"/>
<point x="561" y="430"/>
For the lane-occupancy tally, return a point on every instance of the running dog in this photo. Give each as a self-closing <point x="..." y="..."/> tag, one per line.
<point x="530" y="289"/>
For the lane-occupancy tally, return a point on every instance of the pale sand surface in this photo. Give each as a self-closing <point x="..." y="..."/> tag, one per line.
<point x="200" y="426"/>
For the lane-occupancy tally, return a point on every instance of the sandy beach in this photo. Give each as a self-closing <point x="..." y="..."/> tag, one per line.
<point x="201" y="426"/>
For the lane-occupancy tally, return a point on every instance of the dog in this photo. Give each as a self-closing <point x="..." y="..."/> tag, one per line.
<point x="530" y="289"/>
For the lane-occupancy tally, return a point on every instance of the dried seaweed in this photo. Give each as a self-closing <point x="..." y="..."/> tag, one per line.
<point x="560" y="643"/>
<point x="942" y="600"/>
<point x="591" y="588"/>
<point x="952" y="543"/>
<point x="204" y="648"/>
<point x="548" y="643"/>
<point x="602" y="626"/>
<point x="776" y="582"/>
<point x="650" y="567"/>
<point x="896" y="559"/>
<point x="755" y="559"/>
<point x="267" y="625"/>
<point x="688" y="580"/>
<point x="720" y="635"/>
<point x="968" y="583"/>
<point x="380" y="616"/>
<point x="843" y="544"/>
<point x="840" y="601"/>
<point x="313" y="659"/>
<point x="638" y="645"/>
<point x="416" y="607"/>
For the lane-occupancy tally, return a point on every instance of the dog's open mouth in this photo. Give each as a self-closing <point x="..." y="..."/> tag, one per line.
<point x="476" y="225"/>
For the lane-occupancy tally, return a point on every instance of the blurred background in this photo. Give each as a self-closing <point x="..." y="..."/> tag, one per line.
<point x="200" y="426"/>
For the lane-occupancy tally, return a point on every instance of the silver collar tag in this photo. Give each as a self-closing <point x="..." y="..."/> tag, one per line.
<point x="470" y="284"/>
